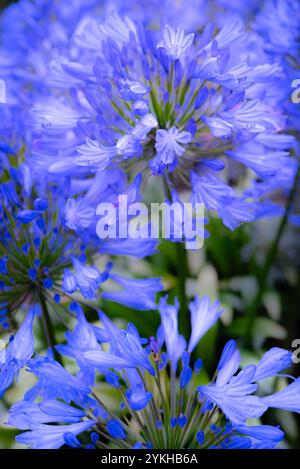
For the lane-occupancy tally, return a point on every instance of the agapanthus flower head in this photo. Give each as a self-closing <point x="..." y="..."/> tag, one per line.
<point x="36" y="248"/>
<point x="43" y="22"/>
<point x="176" y="105"/>
<point x="277" y="24"/>
<point x="42" y="253"/>
<point x="33" y="34"/>
<point x="161" y="404"/>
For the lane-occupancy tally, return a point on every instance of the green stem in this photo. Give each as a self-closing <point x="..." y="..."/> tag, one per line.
<point x="270" y="257"/>
<point x="182" y="274"/>
<point x="182" y="271"/>
<point x="47" y="327"/>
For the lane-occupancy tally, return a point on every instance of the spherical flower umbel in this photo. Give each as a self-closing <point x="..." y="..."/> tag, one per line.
<point x="161" y="404"/>
<point x="36" y="251"/>
<point x="43" y="256"/>
<point x="185" y="107"/>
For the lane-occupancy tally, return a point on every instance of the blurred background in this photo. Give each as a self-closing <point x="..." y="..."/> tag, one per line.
<point x="4" y="3"/>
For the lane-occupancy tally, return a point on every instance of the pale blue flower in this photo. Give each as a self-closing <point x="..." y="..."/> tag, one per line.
<point x="203" y="316"/>
<point x="176" y="44"/>
<point x="78" y="214"/>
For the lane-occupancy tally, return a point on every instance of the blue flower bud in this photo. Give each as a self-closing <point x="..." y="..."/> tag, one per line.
<point x="115" y="429"/>
<point x="71" y="440"/>
<point x="201" y="437"/>
<point x="198" y="365"/>
<point x="48" y="283"/>
<point x="227" y="353"/>
<point x="138" y="400"/>
<point x="182" y="421"/>
<point x="185" y="377"/>
<point x="40" y="204"/>
<point x="112" y="379"/>
<point x="69" y="281"/>
<point x="57" y="298"/>
<point x="27" y="216"/>
<point x="3" y="266"/>
<point x="185" y="359"/>
<point x="94" y="437"/>
<point x="32" y="273"/>
<point x="173" y="422"/>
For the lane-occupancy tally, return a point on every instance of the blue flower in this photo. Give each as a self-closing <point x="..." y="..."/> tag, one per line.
<point x="175" y="342"/>
<point x="87" y="278"/>
<point x="27" y="216"/>
<point x="262" y="432"/>
<point x="213" y="415"/>
<point x="94" y="155"/>
<point x="78" y="214"/>
<point x="203" y="316"/>
<point x="111" y="100"/>
<point x="81" y="339"/>
<point x="137" y="293"/>
<point x="277" y="25"/>
<point x="138" y="399"/>
<point x="104" y="361"/>
<point x="69" y="281"/>
<point x="272" y="362"/>
<point x="18" y="352"/>
<point x="115" y="429"/>
<point x="176" y="44"/>
<point x="55" y="382"/>
<point x="52" y="246"/>
<point x="127" y="346"/>
<point x="24" y="413"/>
<point x="51" y="436"/>
<point x="39" y="247"/>
<point x="235" y="399"/>
<point x="175" y="101"/>
<point x="287" y="398"/>
<point x="169" y="146"/>
<point x="2" y="92"/>
<point x="185" y="377"/>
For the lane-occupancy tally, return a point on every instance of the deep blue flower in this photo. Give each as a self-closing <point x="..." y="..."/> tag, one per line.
<point x="166" y="403"/>
<point x="185" y="377"/>
<point x="43" y="251"/>
<point x="138" y="399"/>
<point x="115" y="429"/>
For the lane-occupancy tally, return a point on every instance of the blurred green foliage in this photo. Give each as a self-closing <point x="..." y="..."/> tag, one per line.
<point x="5" y="3"/>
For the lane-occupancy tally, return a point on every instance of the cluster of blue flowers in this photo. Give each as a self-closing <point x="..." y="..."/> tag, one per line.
<point x="45" y="254"/>
<point x="185" y="107"/>
<point x="99" y="99"/>
<point x="161" y="404"/>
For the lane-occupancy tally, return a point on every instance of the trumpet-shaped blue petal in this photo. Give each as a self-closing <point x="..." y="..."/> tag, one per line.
<point x="203" y="316"/>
